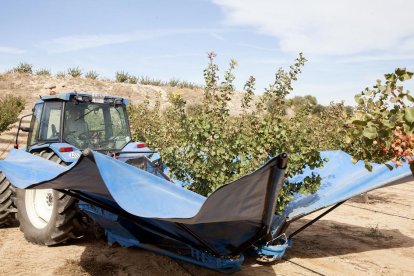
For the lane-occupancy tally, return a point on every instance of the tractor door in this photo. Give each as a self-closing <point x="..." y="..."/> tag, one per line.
<point x="34" y="125"/>
<point x="46" y="123"/>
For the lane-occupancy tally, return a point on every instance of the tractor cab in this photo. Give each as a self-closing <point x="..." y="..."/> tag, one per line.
<point x="81" y="120"/>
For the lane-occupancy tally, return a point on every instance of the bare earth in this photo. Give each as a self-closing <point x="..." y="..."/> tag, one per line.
<point x="355" y="239"/>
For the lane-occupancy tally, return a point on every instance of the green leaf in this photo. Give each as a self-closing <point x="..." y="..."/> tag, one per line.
<point x="358" y="99"/>
<point x="368" y="166"/>
<point x="359" y="123"/>
<point x="400" y="71"/>
<point x="390" y="77"/>
<point x="409" y="114"/>
<point x="410" y="98"/>
<point x="394" y="100"/>
<point x="370" y="133"/>
<point x="406" y="76"/>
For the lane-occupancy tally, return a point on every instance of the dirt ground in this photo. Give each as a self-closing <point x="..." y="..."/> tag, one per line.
<point x="355" y="239"/>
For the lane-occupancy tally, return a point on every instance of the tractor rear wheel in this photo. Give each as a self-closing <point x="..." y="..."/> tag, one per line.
<point x="7" y="208"/>
<point x="47" y="216"/>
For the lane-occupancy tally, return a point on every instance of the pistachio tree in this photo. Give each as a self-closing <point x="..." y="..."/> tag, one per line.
<point x="382" y="126"/>
<point x="205" y="146"/>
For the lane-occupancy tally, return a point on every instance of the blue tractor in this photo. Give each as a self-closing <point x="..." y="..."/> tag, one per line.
<point x="61" y="126"/>
<point x="132" y="200"/>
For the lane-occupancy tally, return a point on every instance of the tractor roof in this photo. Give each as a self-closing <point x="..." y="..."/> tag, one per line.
<point x="69" y="96"/>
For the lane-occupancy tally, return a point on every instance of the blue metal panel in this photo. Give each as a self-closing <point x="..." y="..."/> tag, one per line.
<point x="341" y="180"/>
<point x="272" y="252"/>
<point x="141" y="193"/>
<point x="61" y="96"/>
<point x="68" y="95"/>
<point x="132" y="147"/>
<point x="116" y="233"/>
<point x="67" y="157"/>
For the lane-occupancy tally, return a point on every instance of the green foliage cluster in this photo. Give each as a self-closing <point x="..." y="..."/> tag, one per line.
<point x="125" y="77"/>
<point x="93" y="75"/>
<point x="133" y="80"/>
<point x="172" y="83"/>
<point x="23" y="68"/>
<point x="61" y="74"/>
<point x="43" y="72"/>
<point x="10" y="108"/>
<point x="75" y="72"/>
<point x="145" y="80"/>
<point x="182" y="84"/>
<point x="382" y="126"/>
<point x="121" y="76"/>
<point x="206" y="146"/>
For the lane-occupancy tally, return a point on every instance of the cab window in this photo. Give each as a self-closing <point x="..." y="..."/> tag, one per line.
<point x="37" y="113"/>
<point x="50" y="121"/>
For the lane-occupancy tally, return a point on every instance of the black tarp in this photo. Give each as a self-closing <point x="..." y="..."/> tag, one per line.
<point x="229" y="221"/>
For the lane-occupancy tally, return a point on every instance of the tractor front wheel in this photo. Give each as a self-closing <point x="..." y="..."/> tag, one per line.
<point x="47" y="216"/>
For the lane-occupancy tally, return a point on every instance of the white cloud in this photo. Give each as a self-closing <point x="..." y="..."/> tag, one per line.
<point x="79" y="42"/>
<point x="326" y="27"/>
<point x="10" y="50"/>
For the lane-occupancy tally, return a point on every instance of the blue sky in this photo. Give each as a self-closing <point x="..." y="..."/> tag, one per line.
<point x="348" y="44"/>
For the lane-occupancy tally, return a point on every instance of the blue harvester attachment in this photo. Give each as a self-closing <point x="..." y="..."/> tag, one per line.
<point x="140" y="209"/>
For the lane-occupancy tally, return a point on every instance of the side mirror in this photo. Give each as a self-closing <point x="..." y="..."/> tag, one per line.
<point x="25" y="129"/>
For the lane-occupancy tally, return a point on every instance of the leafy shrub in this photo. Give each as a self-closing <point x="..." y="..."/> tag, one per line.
<point x="207" y="147"/>
<point x="61" y="74"/>
<point x="10" y="108"/>
<point x="132" y="79"/>
<point x="43" y="72"/>
<point x="328" y="122"/>
<point x="74" y="72"/>
<point x="23" y="68"/>
<point x="173" y="82"/>
<point x="186" y="84"/>
<point x="182" y="84"/>
<point x="121" y="76"/>
<point x="383" y="124"/>
<point x="151" y="81"/>
<point x="91" y="75"/>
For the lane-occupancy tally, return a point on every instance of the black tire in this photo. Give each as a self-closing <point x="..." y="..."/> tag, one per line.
<point x="7" y="208"/>
<point x="66" y="221"/>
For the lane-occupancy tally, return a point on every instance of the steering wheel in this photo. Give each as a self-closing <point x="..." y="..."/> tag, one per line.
<point x="90" y="135"/>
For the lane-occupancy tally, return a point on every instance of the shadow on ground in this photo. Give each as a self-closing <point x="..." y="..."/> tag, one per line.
<point x="325" y="238"/>
<point x="331" y="238"/>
